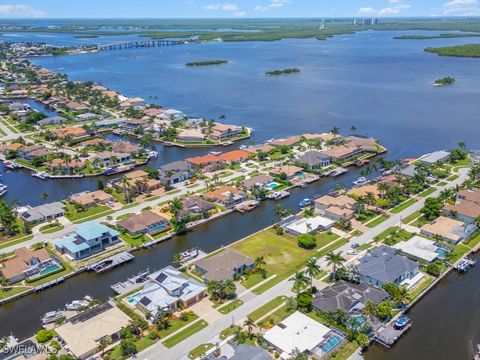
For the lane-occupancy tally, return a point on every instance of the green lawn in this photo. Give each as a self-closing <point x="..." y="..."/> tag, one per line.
<point x="442" y="183"/>
<point x="231" y="306"/>
<point x="124" y="216"/>
<point x="417" y="289"/>
<point x="50" y="228"/>
<point x="175" y="191"/>
<point x="325" y="238"/>
<point x="253" y="279"/>
<point x="403" y="206"/>
<point x="420" y="221"/>
<point x="453" y="177"/>
<point x="229" y="331"/>
<point x="12" y="291"/>
<point x="89" y="214"/>
<point x="459" y="251"/>
<point x="408" y="219"/>
<point x="177" y="324"/>
<point x="67" y="269"/>
<point x="15" y="241"/>
<point x="131" y="205"/>
<point x="282" y="254"/>
<point x="473" y="241"/>
<point x="428" y="192"/>
<point x="200" y="350"/>
<point x="384" y="234"/>
<point x="331" y="247"/>
<point x="277" y="316"/>
<point x="184" y="334"/>
<point x="141" y="344"/>
<point x="267" y="285"/>
<point x="377" y="221"/>
<point x="345" y="351"/>
<point x="134" y="241"/>
<point x="265" y="309"/>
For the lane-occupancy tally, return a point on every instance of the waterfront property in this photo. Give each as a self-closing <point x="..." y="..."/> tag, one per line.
<point x="347" y="296"/>
<point x="175" y="172"/>
<point x="89" y="238"/>
<point x="83" y="334"/>
<point x="261" y="181"/>
<point x="466" y="207"/>
<point x="234" y="156"/>
<point x="297" y="225"/>
<point x="167" y="289"/>
<point x="227" y="196"/>
<point x="342" y="153"/>
<point x="288" y="171"/>
<point x="143" y="223"/>
<point x="91" y="198"/>
<point x="225" y="265"/>
<point x="301" y="333"/>
<point x="434" y="157"/>
<point x="27" y="264"/>
<point x="314" y="160"/>
<point x="449" y="229"/>
<point x="336" y="207"/>
<point x="419" y="248"/>
<point x="45" y="212"/>
<point x="383" y="265"/>
<point x="196" y="205"/>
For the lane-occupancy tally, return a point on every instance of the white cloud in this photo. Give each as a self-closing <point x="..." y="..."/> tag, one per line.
<point x="240" y="13"/>
<point x="224" y="7"/>
<point x="461" y="8"/>
<point x="367" y="10"/>
<point x="274" y="4"/>
<point x="393" y="10"/>
<point x="394" y="1"/>
<point x="8" y="10"/>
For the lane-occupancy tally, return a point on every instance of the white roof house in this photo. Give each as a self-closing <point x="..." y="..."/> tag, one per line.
<point x="435" y="156"/>
<point x="418" y="247"/>
<point x="308" y="225"/>
<point x="298" y="331"/>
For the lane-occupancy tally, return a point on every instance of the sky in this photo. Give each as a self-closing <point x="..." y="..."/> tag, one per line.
<point x="235" y="8"/>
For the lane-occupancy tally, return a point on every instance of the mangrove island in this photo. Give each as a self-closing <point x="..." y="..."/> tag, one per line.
<point x="282" y="72"/>
<point x="207" y="63"/>
<point x="444" y="81"/>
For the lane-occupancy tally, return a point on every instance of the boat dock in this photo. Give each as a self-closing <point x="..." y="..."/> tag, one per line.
<point x="387" y="336"/>
<point x="247" y="206"/>
<point x="124" y="287"/>
<point x="111" y="262"/>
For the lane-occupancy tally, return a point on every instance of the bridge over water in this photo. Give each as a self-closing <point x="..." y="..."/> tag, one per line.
<point x="140" y="44"/>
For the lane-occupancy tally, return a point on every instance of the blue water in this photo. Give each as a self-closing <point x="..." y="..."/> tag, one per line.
<point x="332" y="342"/>
<point x="49" y="269"/>
<point x="272" y="185"/>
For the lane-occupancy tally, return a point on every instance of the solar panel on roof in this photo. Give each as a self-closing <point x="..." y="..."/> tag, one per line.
<point x="145" y="301"/>
<point x="160" y="278"/>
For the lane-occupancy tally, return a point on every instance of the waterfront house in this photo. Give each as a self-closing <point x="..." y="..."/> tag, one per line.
<point x="84" y="332"/>
<point x="466" y="207"/>
<point x="225" y="265"/>
<point x="70" y="166"/>
<point x="196" y="205"/>
<point x="88" y="116"/>
<point x="336" y="207"/>
<point x="73" y="132"/>
<point x="227" y="196"/>
<point x="135" y="124"/>
<point x="383" y="265"/>
<point x="143" y="223"/>
<point x="154" y="112"/>
<point x="53" y="120"/>
<point x="125" y="147"/>
<point x="89" y="238"/>
<point x="265" y="148"/>
<point x="366" y="144"/>
<point x="234" y="156"/>
<point x="347" y="296"/>
<point x="190" y="135"/>
<point x="27" y="263"/>
<point x="91" y="198"/>
<point x="289" y="171"/>
<point x="260" y="180"/>
<point x="300" y="333"/>
<point x="207" y="162"/>
<point x="434" y="157"/>
<point x="44" y="212"/>
<point x="360" y="191"/>
<point x="40" y="153"/>
<point x="109" y="122"/>
<point x="175" y="172"/>
<point x="290" y="141"/>
<point x="96" y="142"/>
<point x="419" y="248"/>
<point x="137" y="103"/>
<point x="76" y="107"/>
<point x="109" y="158"/>
<point x="314" y="160"/>
<point x="342" y="153"/>
<point x="297" y="225"/>
<point x="25" y="150"/>
<point x="137" y="183"/>
<point x="168" y="289"/>
<point x="449" y="229"/>
<point x="173" y="114"/>
<point x="224" y="131"/>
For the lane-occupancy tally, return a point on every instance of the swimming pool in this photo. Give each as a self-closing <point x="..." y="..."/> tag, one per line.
<point x="48" y="269"/>
<point x="332" y="342"/>
<point x="442" y="253"/>
<point x="158" y="229"/>
<point x="272" y="185"/>
<point x="356" y="321"/>
<point x="134" y="298"/>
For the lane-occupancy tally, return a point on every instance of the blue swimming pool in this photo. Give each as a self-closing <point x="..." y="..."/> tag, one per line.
<point x="332" y="342"/>
<point x="356" y="321"/>
<point x="272" y="185"/>
<point x="442" y="252"/>
<point x="48" y="269"/>
<point x="133" y="299"/>
<point x="158" y="229"/>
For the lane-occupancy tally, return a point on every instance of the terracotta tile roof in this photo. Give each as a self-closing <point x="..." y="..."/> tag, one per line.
<point x="235" y="155"/>
<point x="205" y="159"/>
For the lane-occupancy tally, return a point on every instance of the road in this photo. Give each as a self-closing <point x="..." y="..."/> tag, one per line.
<point x="160" y="352"/>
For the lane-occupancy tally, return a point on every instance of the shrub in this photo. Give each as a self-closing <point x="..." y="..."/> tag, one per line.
<point x="434" y="269"/>
<point x="43" y="336"/>
<point x="307" y="241"/>
<point x="304" y="301"/>
<point x="279" y="231"/>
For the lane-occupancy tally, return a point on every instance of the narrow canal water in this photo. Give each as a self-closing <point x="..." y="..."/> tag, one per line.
<point x="445" y="323"/>
<point x="22" y="316"/>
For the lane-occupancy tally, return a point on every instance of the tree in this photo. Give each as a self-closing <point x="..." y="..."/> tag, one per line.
<point x="128" y="347"/>
<point x="384" y="310"/>
<point x="125" y="183"/>
<point x="228" y="288"/>
<point x="434" y="269"/>
<point x="304" y="301"/>
<point x="249" y="323"/>
<point x="298" y="355"/>
<point x="335" y="260"/>
<point x="175" y="207"/>
<point x="104" y="342"/>
<point x="307" y="241"/>
<point x="335" y="130"/>
<point x="362" y="340"/>
<point x="431" y="208"/>
<point x="7" y="217"/>
<point x="353" y="129"/>
<point x="177" y="259"/>
<point x="312" y="269"/>
<point x="42" y="336"/>
<point x="369" y="309"/>
<point x="260" y="264"/>
<point x="4" y="282"/>
<point x="299" y="282"/>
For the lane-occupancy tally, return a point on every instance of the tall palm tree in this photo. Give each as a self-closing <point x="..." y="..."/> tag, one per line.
<point x="312" y="269"/>
<point x="335" y="260"/>
<point x="260" y="264"/>
<point x="299" y="282"/>
<point x="125" y="183"/>
<point x="369" y="309"/>
<point x="249" y="323"/>
<point x="335" y="131"/>
<point x="401" y="296"/>
<point x="175" y="206"/>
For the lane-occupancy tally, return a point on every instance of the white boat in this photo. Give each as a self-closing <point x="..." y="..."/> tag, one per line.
<point x="338" y="171"/>
<point x="215" y="152"/>
<point x="40" y="174"/>
<point x="360" y="181"/>
<point x="463" y="265"/>
<point x="51" y="317"/>
<point x="153" y="155"/>
<point x="277" y="195"/>
<point x="242" y="147"/>
<point x="3" y="189"/>
<point x="78" y="304"/>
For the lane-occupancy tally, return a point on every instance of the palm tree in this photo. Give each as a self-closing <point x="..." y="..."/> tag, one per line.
<point x="228" y="288"/>
<point x="335" y="131"/>
<point x="370" y="198"/>
<point x="335" y="260"/>
<point x="369" y="309"/>
<point x="4" y="282"/>
<point x="249" y="323"/>
<point x="312" y="269"/>
<point x="260" y="264"/>
<point x="291" y="303"/>
<point x="177" y="259"/>
<point x="125" y="183"/>
<point x="175" y="207"/>
<point x="212" y="288"/>
<point x="299" y="282"/>
<point x="383" y="188"/>
<point x="104" y="342"/>
<point x="401" y="296"/>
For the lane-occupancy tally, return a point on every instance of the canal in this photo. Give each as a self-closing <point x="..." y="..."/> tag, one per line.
<point x="445" y="322"/>
<point x="22" y="316"/>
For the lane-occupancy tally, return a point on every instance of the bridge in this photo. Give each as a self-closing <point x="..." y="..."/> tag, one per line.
<point x="140" y="44"/>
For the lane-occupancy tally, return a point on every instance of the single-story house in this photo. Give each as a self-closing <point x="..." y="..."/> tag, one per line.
<point x="145" y="222"/>
<point x="83" y="333"/>
<point x="209" y="160"/>
<point x="342" y="152"/>
<point x="300" y="225"/>
<point x="26" y="263"/>
<point x="91" y="198"/>
<point x="89" y="238"/>
<point x="466" y="207"/>
<point x="436" y="156"/>
<point x="169" y="289"/>
<point x="364" y="143"/>
<point x="314" y="160"/>
<point x="109" y="158"/>
<point x="383" y="264"/>
<point x="260" y="180"/>
<point x="190" y="135"/>
<point x="224" y="265"/>
<point x="265" y="148"/>
<point x="74" y="132"/>
<point x="419" y="248"/>
<point x="224" y="131"/>
<point x="196" y="205"/>
<point x="449" y="229"/>
<point x="44" y="212"/>
<point x="125" y="147"/>
<point x="175" y="172"/>
<point x="290" y="141"/>
<point x="109" y="122"/>
<point x="347" y="296"/>
<point x="234" y="156"/>
<point x="54" y="120"/>
<point x="289" y="170"/>
<point x="227" y="196"/>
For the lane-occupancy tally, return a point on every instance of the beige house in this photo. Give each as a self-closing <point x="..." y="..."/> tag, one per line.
<point x="448" y="229"/>
<point x="91" y="198"/>
<point x="336" y="207"/>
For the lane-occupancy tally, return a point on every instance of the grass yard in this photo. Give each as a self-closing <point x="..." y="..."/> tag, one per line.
<point x="377" y="221"/>
<point x="265" y="309"/>
<point x="278" y="315"/>
<point x="267" y="285"/>
<point x="186" y="333"/>
<point x="428" y="192"/>
<point x="419" y="288"/>
<point x="473" y="241"/>
<point x="89" y="214"/>
<point x="50" y="228"/>
<point x="345" y="351"/>
<point x="231" y="306"/>
<point x="420" y="221"/>
<point x="134" y="241"/>
<point x="331" y="247"/>
<point x="403" y="206"/>
<point x="325" y="238"/>
<point x="254" y="278"/>
<point x="386" y="233"/>
<point x="408" y="219"/>
<point x="177" y="324"/>
<point x="225" y="333"/>
<point x="124" y="216"/>
<point x="442" y="183"/>
<point x="200" y="350"/>
<point x="15" y="241"/>
<point x="282" y="254"/>
<point x="453" y="177"/>
<point x="12" y="291"/>
<point x="459" y="251"/>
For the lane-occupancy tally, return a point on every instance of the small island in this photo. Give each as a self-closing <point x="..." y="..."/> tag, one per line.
<point x="467" y="50"/>
<point x="444" y="81"/>
<point x="282" y="72"/>
<point x="207" y="63"/>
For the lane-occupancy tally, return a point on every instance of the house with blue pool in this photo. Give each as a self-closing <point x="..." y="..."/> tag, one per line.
<point x="89" y="238"/>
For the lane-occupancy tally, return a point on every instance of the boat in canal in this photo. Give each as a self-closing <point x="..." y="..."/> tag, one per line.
<point x="338" y="171"/>
<point x="3" y="189"/>
<point x="402" y="321"/>
<point x="305" y="202"/>
<point x="76" y="305"/>
<point x="360" y="181"/>
<point x="463" y="265"/>
<point x="40" y="175"/>
<point x="277" y="195"/>
<point x="476" y="356"/>
<point x="52" y="316"/>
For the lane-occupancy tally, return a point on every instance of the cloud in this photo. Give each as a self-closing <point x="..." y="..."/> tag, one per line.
<point x="274" y="4"/>
<point x="367" y="10"/>
<point x="8" y="10"/>
<point x="396" y="8"/>
<point x="223" y="7"/>
<point x="240" y="13"/>
<point x="393" y="10"/>
<point x="461" y="8"/>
